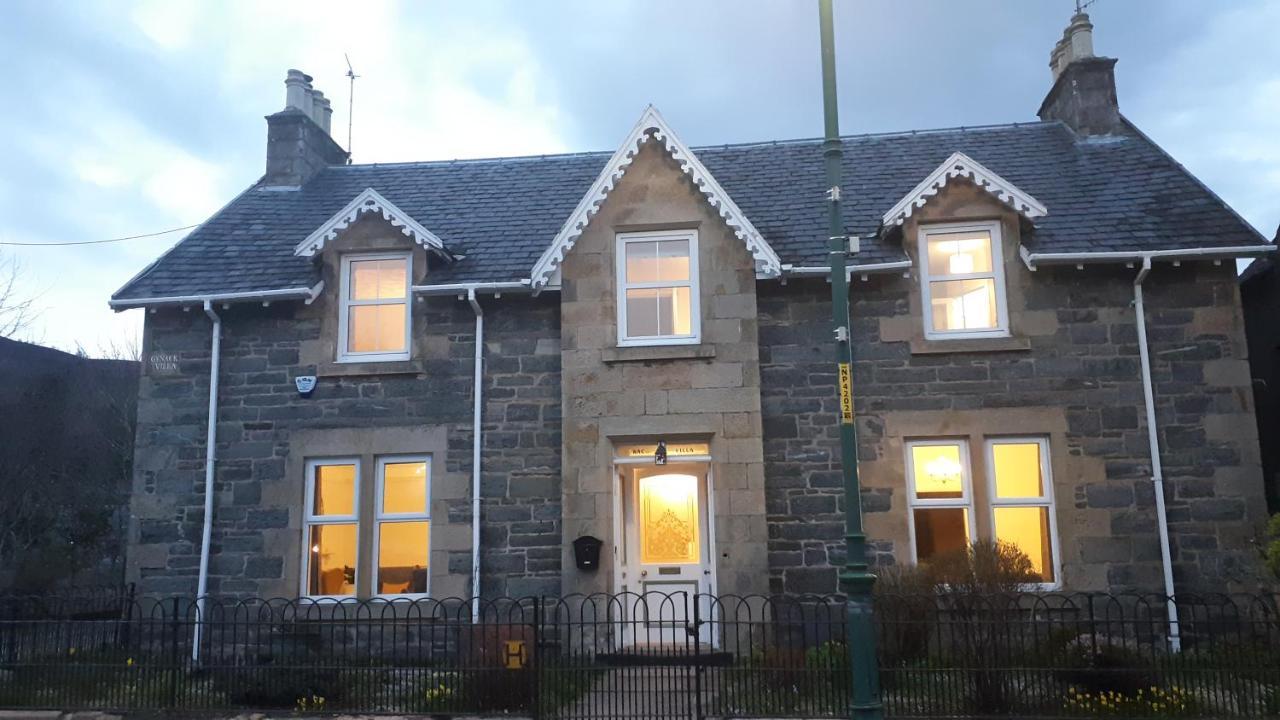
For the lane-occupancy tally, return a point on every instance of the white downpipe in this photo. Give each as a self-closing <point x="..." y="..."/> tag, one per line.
<point x="475" y="454"/>
<point x="211" y="437"/>
<point x="1157" y="471"/>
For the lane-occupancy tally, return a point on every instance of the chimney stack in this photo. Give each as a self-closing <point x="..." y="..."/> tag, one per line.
<point x="1084" y="86"/>
<point x="298" y="141"/>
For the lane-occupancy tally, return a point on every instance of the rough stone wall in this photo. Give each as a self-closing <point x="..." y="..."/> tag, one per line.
<point x="707" y="391"/>
<point x="1078" y="382"/>
<point x="265" y="429"/>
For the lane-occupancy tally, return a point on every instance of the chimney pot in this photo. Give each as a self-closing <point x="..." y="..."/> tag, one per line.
<point x="1080" y="32"/>
<point x="320" y="109"/>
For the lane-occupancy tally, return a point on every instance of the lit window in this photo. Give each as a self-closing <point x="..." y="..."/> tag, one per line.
<point x="374" y="309"/>
<point x="332" y="528"/>
<point x="403" y="526"/>
<point x="963" y="281"/>
<point x="1022" y="500"/>
<point x="658" y="288"/>
<point x="941" y="507"/>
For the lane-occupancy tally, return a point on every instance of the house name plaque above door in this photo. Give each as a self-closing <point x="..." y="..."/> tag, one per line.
<point x="674" y="450"/>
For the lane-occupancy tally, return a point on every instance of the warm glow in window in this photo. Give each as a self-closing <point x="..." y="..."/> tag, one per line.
<point x="403" y="526"/>
<point x="963" y="284"/>
<point x="332" y="531"/>
<point x="657" y="288"/>
<point x="335" y="490"/>
<point x="938" y="471"/>
<point x="375" y="307"/>
<point x="668" y="519"/>
<point x="333" y="560"/>
<point x="940" y="503"/>
<point x="1022" y="500"/>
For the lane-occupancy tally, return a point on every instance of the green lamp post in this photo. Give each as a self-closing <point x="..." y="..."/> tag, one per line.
<point x="856" y="579"/>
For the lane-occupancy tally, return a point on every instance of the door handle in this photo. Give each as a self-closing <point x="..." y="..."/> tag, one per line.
<point x="644" y="573"/>
<point x="706" y="572"/>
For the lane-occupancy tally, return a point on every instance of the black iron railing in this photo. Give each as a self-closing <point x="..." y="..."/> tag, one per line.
<point x="650" y="656"/>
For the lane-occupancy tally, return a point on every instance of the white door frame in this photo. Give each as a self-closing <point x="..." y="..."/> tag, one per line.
<point x="617" y="479"/>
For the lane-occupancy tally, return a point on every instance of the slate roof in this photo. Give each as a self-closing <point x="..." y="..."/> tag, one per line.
<point x="1113" y="193"/>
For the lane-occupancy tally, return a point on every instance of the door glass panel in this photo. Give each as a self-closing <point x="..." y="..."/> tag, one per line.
<point x="669" y="519"/>
<point x="335" y="490"/>
<point x="402" y="557"/>
<point x="1017" y="467"/>
<point x="940" y="530"/>
<point x="938" y="471"/>
<point x="1028" y="528"/>
<point x="332" y="566"/>
<point x="404" y="488"/>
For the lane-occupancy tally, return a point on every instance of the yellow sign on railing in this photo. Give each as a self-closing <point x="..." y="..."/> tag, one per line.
<point x="516" y="655"/>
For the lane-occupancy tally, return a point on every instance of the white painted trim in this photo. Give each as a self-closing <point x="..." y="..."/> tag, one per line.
<point x="651" y="125"/>
<point x="309" y="520"/>
<point x="996" y="274"/>
<point x="379" y="517"/>
<point x="367" y="201"/>
<point x="1032" y="259"/>
<point x="345" y="303"/>
<point x="1047" y="500"/>
<point x="965" y="501"/>
<point x="850" y="270"/>
<point x="961" y="165"/>
<point x="308" y="294"/>
<point x="621" y="240"/>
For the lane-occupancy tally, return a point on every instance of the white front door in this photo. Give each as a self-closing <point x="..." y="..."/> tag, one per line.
<point x="666" y="556"/>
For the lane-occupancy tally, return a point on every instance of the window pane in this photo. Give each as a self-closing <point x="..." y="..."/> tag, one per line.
<point x="404" y="487"/>
<point x="642" y="313"/>
<point x="673" y="260"/>
<point x="675" y="316"/>
<point x="1017" y="469"/>
<point x="376" y="328"/>
<point x="332" y="565"/>
<point x="940" y="530"/>
<point x="642" y="261"/>
<point x="959" y="253"/>
<point x="963" y="304"/>
<point x="335" y="490"/>
<point x="938" y="471"/>
<point x="1028" y="528"/>
<point x="378" y="279"/>
<point x="669" y="519"/>
<point x="402" y="557"/>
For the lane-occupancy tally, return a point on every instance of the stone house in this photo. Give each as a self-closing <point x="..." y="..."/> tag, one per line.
<point x="432" y="378"/>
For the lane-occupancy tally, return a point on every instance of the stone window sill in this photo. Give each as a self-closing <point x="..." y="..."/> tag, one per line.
<point x="973" y="345"/>
<point x="657" y="352"/>
<point x="357" y="369"/>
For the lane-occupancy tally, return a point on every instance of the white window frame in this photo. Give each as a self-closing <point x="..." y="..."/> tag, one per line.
<point x="965" y="500"/>
<point x="695" y="300"/>
<point x="996" y="274"/>
<point x="380" y="517"/>
<point x="345" y="303"/>
<point x="310" y="519"/>
<point x="1046" y="475"/>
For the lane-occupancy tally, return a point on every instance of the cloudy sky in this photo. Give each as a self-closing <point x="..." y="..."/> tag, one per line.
<point x="129" y="119"/>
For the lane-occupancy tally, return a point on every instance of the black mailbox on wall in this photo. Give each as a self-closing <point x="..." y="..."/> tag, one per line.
<point x="586" y="552"/>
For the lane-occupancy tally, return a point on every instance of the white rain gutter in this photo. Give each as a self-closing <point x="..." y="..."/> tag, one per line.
<point x="464" y="289"/>
<point x="1157" y="470"/>
<point x="476" y="393"/>
<point x="1031" y="259"/>
<point x="266" y="296"/>
<point x="211" y="437"/>
<point x="850" y="270"/>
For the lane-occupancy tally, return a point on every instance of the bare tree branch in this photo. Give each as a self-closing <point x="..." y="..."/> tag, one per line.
<point x="17" y="311"/>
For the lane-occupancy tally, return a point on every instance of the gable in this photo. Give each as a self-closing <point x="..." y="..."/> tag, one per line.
<point x="368" y="201"/>
<point x="960" y="165"/>
<point x="652" y="127"/>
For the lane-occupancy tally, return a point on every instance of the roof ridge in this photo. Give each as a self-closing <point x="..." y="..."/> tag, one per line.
<point x="713" y="146"/>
